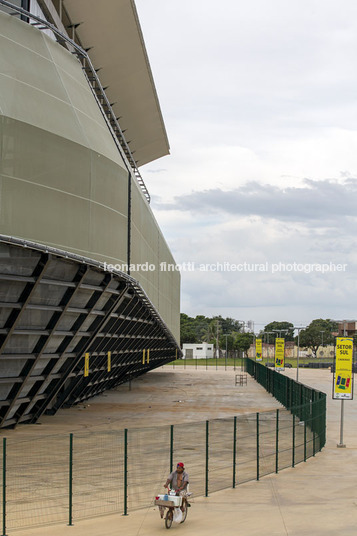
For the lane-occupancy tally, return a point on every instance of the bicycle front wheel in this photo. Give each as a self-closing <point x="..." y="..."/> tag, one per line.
<point x="168" y="519"/>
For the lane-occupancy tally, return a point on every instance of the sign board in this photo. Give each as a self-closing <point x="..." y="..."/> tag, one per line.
<point x="86" y="365"/>
<point x="279" y="354"/>
<point x="258" y="350"/>
<point x="343" y="376"/>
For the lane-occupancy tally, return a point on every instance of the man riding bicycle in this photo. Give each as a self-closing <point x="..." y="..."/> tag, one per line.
<point x="178" y="481"/>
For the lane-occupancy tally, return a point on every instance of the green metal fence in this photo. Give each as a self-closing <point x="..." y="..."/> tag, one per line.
<point x="62" y="479"/>
<point x="305" y="403"/>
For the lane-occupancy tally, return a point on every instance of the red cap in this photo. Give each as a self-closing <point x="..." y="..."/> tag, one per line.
<point x="180" y="465"/>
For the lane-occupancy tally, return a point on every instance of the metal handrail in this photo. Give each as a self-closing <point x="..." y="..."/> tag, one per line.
<point x="94" y="83"/>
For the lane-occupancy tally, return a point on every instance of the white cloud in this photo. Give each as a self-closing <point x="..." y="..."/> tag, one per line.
<point x="259" y="100"/>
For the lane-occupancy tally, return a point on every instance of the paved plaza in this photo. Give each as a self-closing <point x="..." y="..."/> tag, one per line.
<point x="316" y="498"/>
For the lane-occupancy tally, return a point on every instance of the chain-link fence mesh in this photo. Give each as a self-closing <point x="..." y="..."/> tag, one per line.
<point x="60" y="479"/>
<point x="37" y="481"/>
<point x="98" y="472"/>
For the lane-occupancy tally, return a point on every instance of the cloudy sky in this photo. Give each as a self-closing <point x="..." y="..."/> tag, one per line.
<point x="259" y="100"/>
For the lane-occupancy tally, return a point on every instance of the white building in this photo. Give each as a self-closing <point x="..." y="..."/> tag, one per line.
<point x="201" y="350"/>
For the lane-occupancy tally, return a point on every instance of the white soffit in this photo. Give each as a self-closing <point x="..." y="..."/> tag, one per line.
<point x="112" y="29"/>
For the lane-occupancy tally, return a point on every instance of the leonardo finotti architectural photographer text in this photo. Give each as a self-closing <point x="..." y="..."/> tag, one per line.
<point x="279" y="267"/>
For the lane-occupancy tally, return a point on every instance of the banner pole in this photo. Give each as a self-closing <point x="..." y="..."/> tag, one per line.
<point x="257" y="420"/>
<point x="234" y="450"/>
<point x="207" y="457"/>
<point x="70" y="483"/>
<point x="341" y="444"/>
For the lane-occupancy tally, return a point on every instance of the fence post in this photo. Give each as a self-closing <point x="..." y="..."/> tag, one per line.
<point x="257" y="446"/>
<point x="277" y="442"/>
<point x="207" y="449"/>
<point x="305" y="441"/>
<point x="293" y="458"/>
<point x="70" y="483"/>
<point x="313" y="425"/>
<point x="171" y="447"/>
<point x="125" y="472"/>
<point x="4" y="486"/>
<point x="234" y="450"/>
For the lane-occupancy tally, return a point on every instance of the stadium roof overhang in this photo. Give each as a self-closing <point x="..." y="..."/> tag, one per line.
<point x="111" y="30"/>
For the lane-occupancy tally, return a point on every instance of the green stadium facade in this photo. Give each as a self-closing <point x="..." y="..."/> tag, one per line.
<point x="84" y="305"/>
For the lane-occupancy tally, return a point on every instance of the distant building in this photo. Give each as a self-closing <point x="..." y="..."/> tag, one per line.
<point x="201" y="350"/>
<point x="250" y="326"/>
<point x="347" y="327"/>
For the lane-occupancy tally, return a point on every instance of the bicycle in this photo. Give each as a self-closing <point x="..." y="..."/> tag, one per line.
<point x="177" y="507"/>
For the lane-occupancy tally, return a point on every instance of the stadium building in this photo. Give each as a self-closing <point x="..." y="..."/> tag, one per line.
<point x="83" y="304"/>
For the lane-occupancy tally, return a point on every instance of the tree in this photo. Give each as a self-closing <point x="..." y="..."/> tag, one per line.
<point x="201" y="323"/>
<point x="243" y="341"/>
<point x="226" y="342"/>
<point x="193" y="329"/>
<point x="187" y="329"/>
<point x="210" y="333"/>
<point x="280" y="327"/>
<point x="312" y="336"/>
<point x="204" y="329"/>
<point x="229" y="325"/>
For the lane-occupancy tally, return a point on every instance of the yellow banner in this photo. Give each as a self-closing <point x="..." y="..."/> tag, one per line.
<point x="343" y="376"/>
<point x="143" y="357"/>
<point x="279" y="354"/>
<point x="86" y="365"/>
<point x="109" y="361"/>
<point x="258" y="350"/>
<point x="148" y="355"/>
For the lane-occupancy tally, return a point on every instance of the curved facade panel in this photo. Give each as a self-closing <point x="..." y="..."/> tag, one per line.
<point x="63" y="182"/>
<point x="150" y="251"/>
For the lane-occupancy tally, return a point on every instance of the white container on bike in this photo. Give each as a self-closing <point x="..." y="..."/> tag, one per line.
<point x="171" y="498"/>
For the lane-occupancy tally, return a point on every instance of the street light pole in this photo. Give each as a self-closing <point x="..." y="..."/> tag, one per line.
<point x="298" y="350"/>
<point x="217" y="345"/>
<point x="226" y="335"/>
<point x="280" y="331"/>
<point x="268" y="333"/>
<point x="322" y="342"/>
<point x="322" y="335"/>
<point x="225" y="364"/>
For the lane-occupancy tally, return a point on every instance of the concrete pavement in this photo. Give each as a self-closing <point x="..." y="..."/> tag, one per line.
<point x="318" y="497"/>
